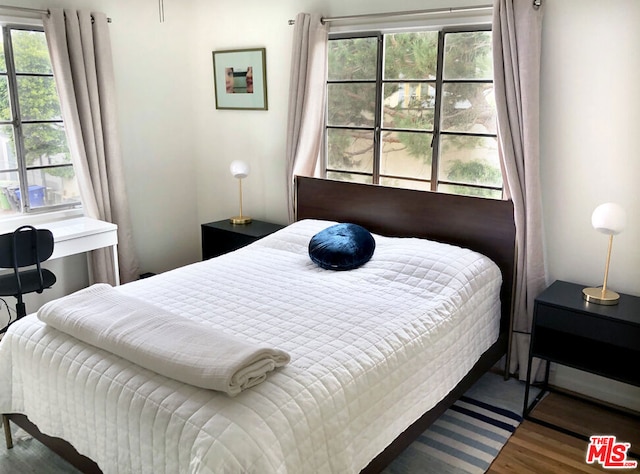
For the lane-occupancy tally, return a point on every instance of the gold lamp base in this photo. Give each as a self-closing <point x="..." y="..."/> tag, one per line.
<point x="240" y="220"/>
<point x="595" y="295"/>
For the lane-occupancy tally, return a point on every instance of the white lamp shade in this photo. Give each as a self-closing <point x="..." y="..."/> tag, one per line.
<point x="239" y="169"/>
<point x="609" y="218"/>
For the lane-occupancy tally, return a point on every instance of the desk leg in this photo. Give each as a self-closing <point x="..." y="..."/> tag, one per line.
<point x="7" y="431"/>
<point x="114" y="249"/>
<point x="114" y="255"/>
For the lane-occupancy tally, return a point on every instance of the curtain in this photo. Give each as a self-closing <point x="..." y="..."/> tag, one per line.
<point x="80" y="51"/>
<point x="307" y="93"/>
<point x="517" y="26"/>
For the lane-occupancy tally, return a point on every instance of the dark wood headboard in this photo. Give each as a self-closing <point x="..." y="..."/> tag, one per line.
<point x="484" y="225"/>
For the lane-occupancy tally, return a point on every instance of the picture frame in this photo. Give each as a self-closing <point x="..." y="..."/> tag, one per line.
<point x="240" y="79"/>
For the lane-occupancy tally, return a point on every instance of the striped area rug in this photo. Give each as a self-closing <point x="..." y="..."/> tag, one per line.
<point x="468" y="436"/>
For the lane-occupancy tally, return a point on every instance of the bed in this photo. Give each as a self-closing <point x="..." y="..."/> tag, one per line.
<point x="377" y="353"/>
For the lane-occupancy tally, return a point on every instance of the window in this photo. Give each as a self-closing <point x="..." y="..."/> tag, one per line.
<point x="36" y="173"/>
<point x="413" y="110"/>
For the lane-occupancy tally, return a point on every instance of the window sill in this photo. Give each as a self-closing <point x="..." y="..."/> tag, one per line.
<point x="9" y="224"/>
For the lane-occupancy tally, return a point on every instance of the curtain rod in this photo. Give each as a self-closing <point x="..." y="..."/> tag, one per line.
<point x="438" y="11"/>
<point x="35" y="11"/>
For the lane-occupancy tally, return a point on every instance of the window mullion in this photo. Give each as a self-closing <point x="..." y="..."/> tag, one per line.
<point x="377" y="124"/>
<point x="435" y="142"/>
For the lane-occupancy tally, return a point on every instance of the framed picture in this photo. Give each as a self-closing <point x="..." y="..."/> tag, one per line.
<point x="240" y="79"/>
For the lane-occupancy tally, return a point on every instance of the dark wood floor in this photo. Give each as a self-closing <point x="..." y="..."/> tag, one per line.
<point x="536" y="449"/>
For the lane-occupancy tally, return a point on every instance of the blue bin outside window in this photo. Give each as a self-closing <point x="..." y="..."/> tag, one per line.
<point x="36" y="195"/>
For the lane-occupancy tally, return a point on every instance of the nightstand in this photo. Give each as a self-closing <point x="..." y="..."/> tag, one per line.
<point x="222" y="236"/>
<point x="567" y="330"/>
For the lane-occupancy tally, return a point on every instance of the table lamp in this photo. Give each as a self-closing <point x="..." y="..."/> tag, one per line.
<point x="610" y="219"/>
<point x="240" y="170"/>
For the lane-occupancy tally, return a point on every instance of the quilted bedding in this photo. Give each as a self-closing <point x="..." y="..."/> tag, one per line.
<point x="371" y="350"/>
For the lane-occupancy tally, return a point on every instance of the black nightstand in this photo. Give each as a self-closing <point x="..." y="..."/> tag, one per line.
<point x="222" y="236"/>
<point x="602" y="340"/>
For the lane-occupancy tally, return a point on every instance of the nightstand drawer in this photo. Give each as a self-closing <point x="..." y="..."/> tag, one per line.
<point x="597" y="357"/>
<point x="222" y="236"/>
<point x="588" y="326"/>
<point x="216" y="242"/>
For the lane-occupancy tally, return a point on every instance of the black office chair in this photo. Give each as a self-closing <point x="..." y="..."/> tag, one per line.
<point x="25" y="247"/>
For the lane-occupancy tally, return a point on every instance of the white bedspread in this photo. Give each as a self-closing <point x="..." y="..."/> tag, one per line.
<point x="371" y="350"/>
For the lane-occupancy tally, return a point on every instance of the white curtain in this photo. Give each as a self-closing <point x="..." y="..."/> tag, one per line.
<point x="307" y="92"/>
<point x="517" y="26"/>
<point x="80" y="51"/>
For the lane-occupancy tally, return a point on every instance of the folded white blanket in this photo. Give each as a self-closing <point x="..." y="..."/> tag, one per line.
<point x="163" y="342"/>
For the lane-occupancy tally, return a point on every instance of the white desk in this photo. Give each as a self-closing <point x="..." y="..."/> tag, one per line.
<point x="78" y="235"/>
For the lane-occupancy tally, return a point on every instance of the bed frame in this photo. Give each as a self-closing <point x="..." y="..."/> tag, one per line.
<point x="484" y="225"/>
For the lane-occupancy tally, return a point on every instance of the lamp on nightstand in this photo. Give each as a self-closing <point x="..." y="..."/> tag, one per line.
<point x="610" y="219"/>
<point x="240" y="170"/>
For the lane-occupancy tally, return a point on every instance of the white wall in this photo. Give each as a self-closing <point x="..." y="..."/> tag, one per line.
<point x="177" y="147"/>
<point x="589" y="139"/>
<point x="153" y="67"/>
<point x="589" y="152"/>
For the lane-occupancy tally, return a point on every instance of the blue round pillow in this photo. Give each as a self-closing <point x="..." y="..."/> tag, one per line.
<point x="342" y="247"/>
